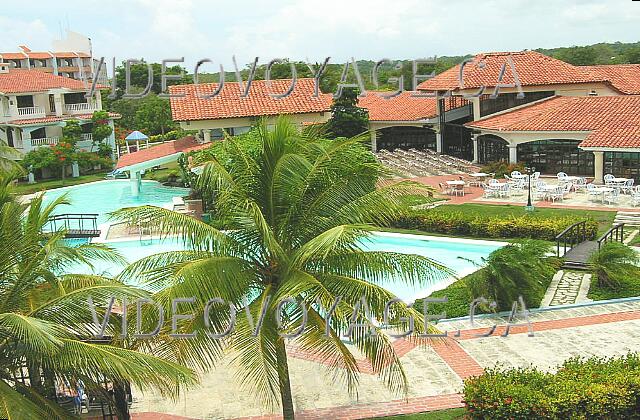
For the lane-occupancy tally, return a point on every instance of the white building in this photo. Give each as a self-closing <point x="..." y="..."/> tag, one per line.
<point x="35" y="105"/>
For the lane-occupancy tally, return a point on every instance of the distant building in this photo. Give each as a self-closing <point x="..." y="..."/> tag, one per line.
<point x="71" y="57"/>
<point x="34" y="106"/>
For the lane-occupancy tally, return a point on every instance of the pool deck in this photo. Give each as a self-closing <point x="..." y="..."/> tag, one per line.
<point x="435" y="369"/>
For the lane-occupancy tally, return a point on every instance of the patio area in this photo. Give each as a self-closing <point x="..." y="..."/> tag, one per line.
<point x="546" y="191"/>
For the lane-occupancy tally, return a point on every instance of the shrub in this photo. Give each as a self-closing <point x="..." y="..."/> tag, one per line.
<point x="458" y="223"/>
<point x="613" y="264"/>
<point x="500" y="168"/>
<point x="594" y="389"/>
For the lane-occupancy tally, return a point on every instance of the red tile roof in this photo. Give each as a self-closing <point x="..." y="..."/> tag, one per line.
<point x="229" y="103"/>
<point x="183" y="145"/>
<point x="612" y="121"/>
<point x="49" y="119"/>
<point x="23" y="81"/>
<point x="532" y="68"/>
<point x="623" y="77"/>
<point x="403" y="107"/>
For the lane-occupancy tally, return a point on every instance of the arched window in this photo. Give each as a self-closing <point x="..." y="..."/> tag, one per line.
<point x="492" y="149"/>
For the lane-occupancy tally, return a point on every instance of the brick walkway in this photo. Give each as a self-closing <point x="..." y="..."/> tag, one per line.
<point x="435" y="370"/>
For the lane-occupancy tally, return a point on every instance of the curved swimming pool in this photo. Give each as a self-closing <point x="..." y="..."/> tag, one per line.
<point x="103" y="197"/>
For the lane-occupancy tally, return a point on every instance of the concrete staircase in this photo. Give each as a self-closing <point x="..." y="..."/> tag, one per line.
<point x="629" y="218"/>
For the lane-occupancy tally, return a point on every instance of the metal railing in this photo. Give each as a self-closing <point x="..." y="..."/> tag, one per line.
<point x="573" y="235"/>
<point x="615" y="234"/>
<point x="75" y="224"/>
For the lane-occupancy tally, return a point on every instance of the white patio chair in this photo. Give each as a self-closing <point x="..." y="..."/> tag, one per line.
<point x="592" y="194"/>
<point x="635" y="196"/>
<point x="608" y="179"/>
<point x="504" y="190"/>
<point x="627" y="187"/>
<point x="515" y="173"/>
<point x="611" y="197"/>
<point x="580" y="184"/>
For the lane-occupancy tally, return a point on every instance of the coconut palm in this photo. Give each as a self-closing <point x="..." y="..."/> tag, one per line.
<point x="518" y="269"/>
<point x="45" y="323"/>
<point x="297" y="211"/>
<point x="613" y="262"/>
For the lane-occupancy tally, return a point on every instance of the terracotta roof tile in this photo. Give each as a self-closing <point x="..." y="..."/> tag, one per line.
<point x="532" y="68"/>
<point x="184" y="145"/>
<point x="49" y="119"/>
<point x="623" y="77"/>
<point x="612" y="121"/>
<point x="229" y="103"/>
<point x="403" y="107"/>
<point x="23" y="80"/>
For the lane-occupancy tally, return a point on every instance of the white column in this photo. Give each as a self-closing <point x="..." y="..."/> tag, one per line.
<point x="75" y="170"/>
<point x="207" y="135"/>
<point x="374" y="140"/>
<point x="513" y="153"/>
<point x="13" y="107"/>
<point x="57" y="100"/>
<point x="476" y="108"/>
<point x="475" y="148"/>
<point x="135" y="183"/>
<point x="598" y="166"/>
<point x="438" y="141"/>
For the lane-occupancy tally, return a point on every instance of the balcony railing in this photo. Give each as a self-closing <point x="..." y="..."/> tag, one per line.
<point x="86" y="137"/>
<point x="44" y="141"/>
<point x="80" y="108"/>
<point x="31" y="111"/>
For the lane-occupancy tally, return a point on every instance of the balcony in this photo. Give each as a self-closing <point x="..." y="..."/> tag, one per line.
<point x="88" y="137"/>
<point x="30" y="144"/>
<point x="81" y="108"/>
<point x="31" y="112"/>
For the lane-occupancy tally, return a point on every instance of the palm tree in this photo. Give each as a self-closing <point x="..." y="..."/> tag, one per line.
<point x="613" y="262"/>
<point x="297" y="210"/>
<point x="518" y="269"/>
<point x="45" y="323"/>
<point x="8" y="157"/>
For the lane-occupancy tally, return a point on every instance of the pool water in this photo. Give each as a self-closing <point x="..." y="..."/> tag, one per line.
<point x="457" y="255"/>
<point x="106" y="196"/>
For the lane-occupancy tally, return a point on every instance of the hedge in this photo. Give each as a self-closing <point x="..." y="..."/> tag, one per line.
<point x="581" y="389"/>
<point x="459" y="223"/>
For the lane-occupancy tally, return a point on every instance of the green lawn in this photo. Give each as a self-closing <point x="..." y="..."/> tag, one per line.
<point x="454" y="413"/>
<point x="24" y="188"/>
<point x="604" y="218"/>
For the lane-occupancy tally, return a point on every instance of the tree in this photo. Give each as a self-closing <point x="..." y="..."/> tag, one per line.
<point x="347" y="119"/>
<point x="45" y="324"/>
<point x="295" y="225"/>
<point x="154" y="115"/>
<point x="613" y="262"/>
<point x="8" y="157"/>
<point x="518" y="269"/>
<point x="101" y="129"/>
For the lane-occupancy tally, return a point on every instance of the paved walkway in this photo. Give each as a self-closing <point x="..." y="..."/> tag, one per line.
<point x="435" y="369"/>
<point x="567" y="287"/>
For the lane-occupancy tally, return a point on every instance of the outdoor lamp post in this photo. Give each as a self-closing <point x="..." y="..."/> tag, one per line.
<point x="530" y="171"/>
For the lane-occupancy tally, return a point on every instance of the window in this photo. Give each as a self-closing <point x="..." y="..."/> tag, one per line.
<point x="24" y="101"/>
<point x="492" y="149"/>
<point x="553" y="156"/>
<point x="623" y="164"/>
<point x="509" y="100"/>
<point x="406" y="138"/>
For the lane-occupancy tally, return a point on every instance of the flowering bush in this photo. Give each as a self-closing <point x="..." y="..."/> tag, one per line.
<point x="581" y="389"/>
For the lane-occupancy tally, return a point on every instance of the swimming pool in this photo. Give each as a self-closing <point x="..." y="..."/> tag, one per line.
<point x="457" y="254"/>
<point x="103" y="197"/>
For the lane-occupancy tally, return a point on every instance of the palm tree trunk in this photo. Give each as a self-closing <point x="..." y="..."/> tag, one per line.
<point x="120" y="398"/>
<point x="285" y="383"/>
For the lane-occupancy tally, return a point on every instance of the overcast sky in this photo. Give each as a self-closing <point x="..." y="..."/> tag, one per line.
<point x="371" y="29"/>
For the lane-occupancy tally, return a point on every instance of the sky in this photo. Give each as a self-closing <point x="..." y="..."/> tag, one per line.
<point x="312" y="30"/>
